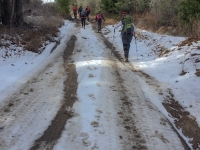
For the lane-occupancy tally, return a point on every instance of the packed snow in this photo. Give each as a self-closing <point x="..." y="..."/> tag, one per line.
<point x="93" y="69"/>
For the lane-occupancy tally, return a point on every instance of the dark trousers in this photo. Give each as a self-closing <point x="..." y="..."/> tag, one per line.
<point x="83" y="22"/>
<point x="75" y="14"/>
<point x="126" y="40"/>
<point x="99" y="24"/>
<point x="87" y="15"/>
<point x="79" y="14"/>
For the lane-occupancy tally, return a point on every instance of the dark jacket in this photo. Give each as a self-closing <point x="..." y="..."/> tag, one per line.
<point x="83" y="14"/>
<point x="80" y="9"/>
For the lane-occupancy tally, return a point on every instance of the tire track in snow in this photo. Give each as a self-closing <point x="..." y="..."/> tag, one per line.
<point x="54" y="131"/>
<point x="149" y="80"/>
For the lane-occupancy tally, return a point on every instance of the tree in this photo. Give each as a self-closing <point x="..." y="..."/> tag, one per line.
<point x="142" y="6"/>
<point x="189" y="15"/>
<point x="117" y="6"/>
<point x="189" y="10"/>
<point x="109" y="6"/>
<point x="11" y="12"/>
<point x="165" y="11"/>
<point x="125" y="5"/>
<point x="63" y="6"/>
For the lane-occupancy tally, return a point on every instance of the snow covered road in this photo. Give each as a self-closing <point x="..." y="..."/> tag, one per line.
<point x="106" y="109"/>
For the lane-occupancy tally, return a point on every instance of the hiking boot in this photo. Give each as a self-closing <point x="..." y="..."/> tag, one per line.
<point x="126" y="59"/>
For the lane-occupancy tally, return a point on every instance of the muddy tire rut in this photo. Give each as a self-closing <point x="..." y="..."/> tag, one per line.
<point x="132" y="103"/>
<point x="182" y="119"/>
<point x="54" y="131"/>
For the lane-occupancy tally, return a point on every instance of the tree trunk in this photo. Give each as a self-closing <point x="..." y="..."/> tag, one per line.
<point x="12" y="14"/>
<point x="18" y="17"/>
<point x="6" y="12"/>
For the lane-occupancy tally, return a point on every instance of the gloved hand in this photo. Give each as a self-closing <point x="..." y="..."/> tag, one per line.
<point x="133" y="33"/>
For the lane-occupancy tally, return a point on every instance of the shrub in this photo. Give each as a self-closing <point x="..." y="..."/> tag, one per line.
<point x="189" y="15"/>
<point x="63" y="6"/>
<point x="108" y="5"/>
<point x="166" y="11"/>
<point x="189" y="10"/>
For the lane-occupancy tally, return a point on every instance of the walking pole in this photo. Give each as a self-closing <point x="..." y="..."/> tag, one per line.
<point x="113" y="42"/>
<point x="136" y="47"/>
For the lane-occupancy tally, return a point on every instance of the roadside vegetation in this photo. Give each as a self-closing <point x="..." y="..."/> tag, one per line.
<point x="180" y="17"/>
<point x="31" y="23"/>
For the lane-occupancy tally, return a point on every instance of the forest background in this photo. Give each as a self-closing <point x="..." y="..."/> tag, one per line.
<point x="177" y="18"/>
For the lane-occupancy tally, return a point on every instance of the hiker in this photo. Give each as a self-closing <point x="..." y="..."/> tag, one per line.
<point x="80" y="10"/>
<point x="99" y="18"/>
<point x="123" y="14"/>
<point x="87" y="12"/>
<point x="83" y="17"/>
<point x="128" y="31"/>
<point x="75" y="11"/>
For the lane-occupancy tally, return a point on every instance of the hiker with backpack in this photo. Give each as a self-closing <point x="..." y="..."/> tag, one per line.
<point x="83" y="17"/>
<point x="75" y="11"/>
<point x="127" y="32"/>
<point x="80" y="10"/>
<point x="87" y="12"/>
<point x="99" y="18"/>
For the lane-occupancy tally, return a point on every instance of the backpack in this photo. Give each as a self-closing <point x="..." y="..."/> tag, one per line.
<point x="127" y="22"/>
<point x="99" y="16"/>
<point x="82" y="13"/>
<point x="80" y="9"/>
<point x="88" y="9"/>
<point x="75" y="8"/>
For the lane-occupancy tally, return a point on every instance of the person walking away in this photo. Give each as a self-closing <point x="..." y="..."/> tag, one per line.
<point x="87" y="12"/>
<point x="75" y="11"/>
<point x="83" y="17"/>
<point x="123" y="14"/>
<point x="99" y="18"/>
<point x="127" y="32"/>
<point x="80" y="10"/>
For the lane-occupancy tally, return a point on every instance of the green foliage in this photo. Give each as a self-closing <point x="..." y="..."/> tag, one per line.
<point x="108" y="5"/>
<point x="142" y="6"/>
<point x="118" y="6"/>
<point x="189" y="10"/>
<point x="93" y="6"/>
<point x="63" y="6"/>
<point x="125" y="5"/>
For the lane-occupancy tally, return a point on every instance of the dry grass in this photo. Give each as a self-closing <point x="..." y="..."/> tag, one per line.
<point x="31" y="36"/>
<point x="45" y="29"/>
<point x="41" y="21"/>
<point x="146" y="21"/>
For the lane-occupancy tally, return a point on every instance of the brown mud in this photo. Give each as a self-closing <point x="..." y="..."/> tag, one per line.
<point x="179" y="121"/>
<point x="54" y="131"/>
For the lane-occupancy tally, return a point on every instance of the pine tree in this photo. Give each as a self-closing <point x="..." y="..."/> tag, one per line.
<point x="189" y="10"/>
<point x="63" y="6"/>
<point x="108" y="5"/>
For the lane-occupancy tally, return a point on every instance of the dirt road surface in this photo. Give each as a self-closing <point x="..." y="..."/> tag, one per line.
<point x="46" y="111"/>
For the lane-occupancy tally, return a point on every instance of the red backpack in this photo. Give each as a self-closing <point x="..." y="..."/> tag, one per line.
<point x="88" y="8"/>
<point x="75" y="8"/>
<point x="99" y="16"/>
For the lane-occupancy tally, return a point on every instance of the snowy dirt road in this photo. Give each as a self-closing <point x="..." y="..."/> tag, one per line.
<point x="84" y="98"/>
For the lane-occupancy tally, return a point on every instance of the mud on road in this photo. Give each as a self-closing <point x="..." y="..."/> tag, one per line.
<point x="54" y="131"/>
<point x="182" y="119"/>
<point x="132" y="118"/>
